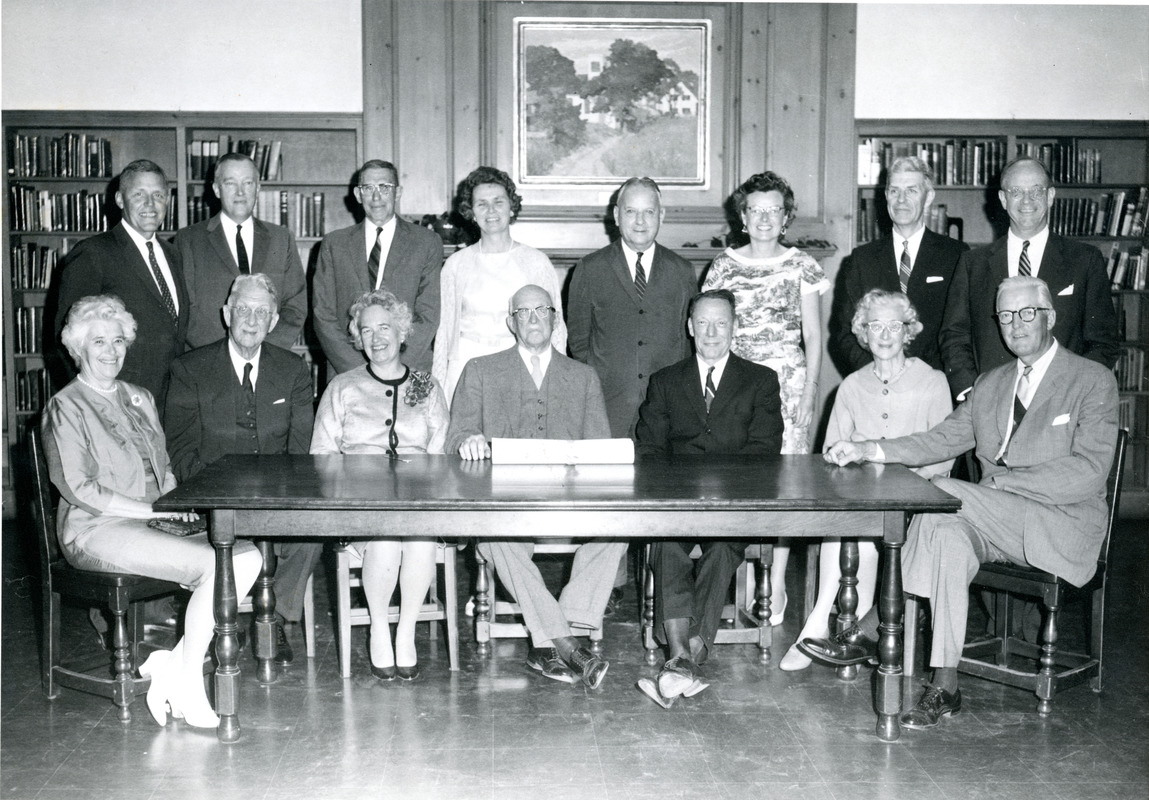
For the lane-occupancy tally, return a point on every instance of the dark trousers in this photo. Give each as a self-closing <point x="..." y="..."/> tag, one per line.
<point x="685" y="589"/>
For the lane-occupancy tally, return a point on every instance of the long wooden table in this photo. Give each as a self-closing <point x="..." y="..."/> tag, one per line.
<point x="364" y="496"/>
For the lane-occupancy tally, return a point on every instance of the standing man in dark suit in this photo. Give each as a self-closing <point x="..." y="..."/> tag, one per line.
<point x="532" y="391"/>
<point x="242" y="394"/>
<point x="233" y="243"/>
<point x="912" y="260"/>
<point x="970" y="341"/>
<point x="382" y="251"/>
<point x="134" y="264"/>
<point x="1044" y="427"/>
<point x="628" y="304"/>
<point x="710" y="403"/>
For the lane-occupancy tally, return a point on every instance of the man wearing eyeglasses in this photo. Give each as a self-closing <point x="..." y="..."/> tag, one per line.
<point x="532" y="391"/>
<point x="243" y="394"/>
<point x="1074" y="272"/>
<point x="234" y="242"/>
<point x="1044" y="428"/>
<point x="384" y="250"/>
<point x="912" y="259"/>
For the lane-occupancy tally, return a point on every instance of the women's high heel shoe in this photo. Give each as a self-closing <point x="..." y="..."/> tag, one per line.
<point x="777" y="614"/>
<point x="155" y="667"/>
<point x="195" y="709"/>
<point x="794" y="660"/>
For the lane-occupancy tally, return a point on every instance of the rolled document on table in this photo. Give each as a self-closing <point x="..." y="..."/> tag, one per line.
<point x="562" y="451"/>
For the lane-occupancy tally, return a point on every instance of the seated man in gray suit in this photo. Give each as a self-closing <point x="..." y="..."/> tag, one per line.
<point x="1044" y="427"/>
<point x="532" y="391"/>
<point x="712" y="402"/>
<point x="242" y="394"/>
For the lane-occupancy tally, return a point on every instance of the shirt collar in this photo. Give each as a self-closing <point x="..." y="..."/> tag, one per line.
<point x="1040" y="367"/>
<point x="631" y="256"/>
<point x="544" y="358"/>
<point x="138" y="238"/>
<point x="719" y="369"/>
<point x="915" y="240"/>
<point x="237" y="362"/>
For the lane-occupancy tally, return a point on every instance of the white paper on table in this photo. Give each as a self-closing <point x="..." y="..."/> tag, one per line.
<point x="562" y="451"/>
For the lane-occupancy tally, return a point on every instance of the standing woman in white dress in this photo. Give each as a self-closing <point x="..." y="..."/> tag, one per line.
<point x="478" y="281"/>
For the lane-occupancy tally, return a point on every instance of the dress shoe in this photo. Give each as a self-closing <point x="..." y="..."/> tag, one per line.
<point x="794" y="660"/>
<point x="934" y="704"/>
<point x="283" y="652"/>
<point x="842" y="649"/>
<point x="592" y="668"/>
<point x="156" y="668"/>
<point x="193" y="707"/>
<point x="385" y="673"/>
<point x="677" y="675"/>
<point x="613" y="601"/>
<point x="546" y="660"/>
<point x="778" y="613"/>
<point x="408" y="673"/>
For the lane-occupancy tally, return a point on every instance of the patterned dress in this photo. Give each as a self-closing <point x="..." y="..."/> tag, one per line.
<point x="769" y="292"/>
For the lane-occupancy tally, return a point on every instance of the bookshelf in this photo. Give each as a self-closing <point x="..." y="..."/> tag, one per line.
<point x="58" y="189"/>
<point x="1101" y="173"/>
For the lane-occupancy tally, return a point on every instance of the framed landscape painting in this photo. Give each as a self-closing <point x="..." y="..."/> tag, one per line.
<point x="599" y="100"/>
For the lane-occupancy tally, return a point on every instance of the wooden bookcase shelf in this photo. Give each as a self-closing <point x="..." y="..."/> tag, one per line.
<point x="319" y="154"/>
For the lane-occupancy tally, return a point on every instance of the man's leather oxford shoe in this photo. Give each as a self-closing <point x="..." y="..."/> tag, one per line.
<point x="934" y="704"/>
<point x="283" y="652"/>
<point x="842" y="649"/>
<point x="592" y="668"/>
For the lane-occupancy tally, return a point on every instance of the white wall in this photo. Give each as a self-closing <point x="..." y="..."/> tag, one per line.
<point x="1003" y="61"/>
<point x="183" y="55"/>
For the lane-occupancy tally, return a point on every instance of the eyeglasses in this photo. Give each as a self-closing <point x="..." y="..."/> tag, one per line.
<point x="894" y="326"/>
<point x="525" y="314"/>
<point x="1032" y="193"/>
<point x="767" y="211"/>
<point x="372" y="189"/>
<point x="1027" y="314"/>
<point x="260" y="314"/>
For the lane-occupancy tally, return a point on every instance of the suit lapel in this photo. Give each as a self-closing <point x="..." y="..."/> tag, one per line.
<point x="221" y="400"/>
<point x="355" y="254"/>
<point x="690" y="384"/>
<point x="622" y="272"/>
<point x="144" y="271"/>
<point x="261" y="241"/>
<point x="399" y="246"/>
<point x="219" y="243"/>
<point x="1053" y="270"/>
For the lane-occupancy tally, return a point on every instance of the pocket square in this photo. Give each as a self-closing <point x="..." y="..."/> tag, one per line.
<point x="1061" y="419"/>
<point x="934" y="279"/>
<point x="280" y="400"/>
<point x="1068" y="290"/>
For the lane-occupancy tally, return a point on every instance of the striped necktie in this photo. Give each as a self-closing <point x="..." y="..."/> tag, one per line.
<point x="1023" y="267"/>
<point x="708" y="395"/>
<point x="639" y="277"/>
<point x="904" y="266"/>
<point x="373" y="259"/>
<point x="165" y="293"/>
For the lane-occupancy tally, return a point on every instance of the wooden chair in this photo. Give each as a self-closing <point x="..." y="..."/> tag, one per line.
<point x="492" y="628"/>
<point x="749" y="623"/>
<point x="307" y="624"/>
<point x="348" y="576"/>
<point x="117" y="592"/>
<point x="1057" y="669"/>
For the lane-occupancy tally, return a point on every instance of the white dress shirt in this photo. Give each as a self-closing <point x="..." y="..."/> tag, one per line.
<point x="165" y="269"/>
<point x="237" y="362"/>
<point x="385" y="240"/>
<point x="247" y="233"/>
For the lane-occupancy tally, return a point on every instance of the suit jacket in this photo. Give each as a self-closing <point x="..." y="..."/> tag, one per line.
<point x="111" y="264"/>
<point x="874" y="266"/>
<point x="411" y="273"/>
<point x="488" y="400"/>
<point x="201" y="412"/>
<point x="745" y="416"/>
<point x="1058" y="458"/>
<point x="624" y="338"/>
<point x="209" y="269"/>
<point x="1086" y="320"/>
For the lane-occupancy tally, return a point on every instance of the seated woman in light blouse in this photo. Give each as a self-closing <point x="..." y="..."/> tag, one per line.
<point x="386" y="408"/>
<point x="894" y="396"/>
<point x="107" y="455"/>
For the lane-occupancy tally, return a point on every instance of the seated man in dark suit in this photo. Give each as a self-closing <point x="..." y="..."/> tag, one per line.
<point x="1044" y="427"/>
<point x="532" y="391"/>
<point x="245" y="395"/>
<point x="710" y="403"/>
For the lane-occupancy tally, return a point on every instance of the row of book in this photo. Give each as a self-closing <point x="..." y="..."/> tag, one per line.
<point x="38" y="210"/>
<point x="72" y="155"/>
<point x="1132" y="316"/>
<point x="1127" y="266"/>
<point x="937" y="219"/>
<point x="302" y="214"/>
<point x="204" y="153"/>
<point x="28" y="322"/>
<point x="1067" y="161"/>
<point x="1130" y="370"/>
<point x="32" y="389"/>
<point x="1109" y="214"/>
<point x="32" y="264"/>
<point x="954" y="162"/>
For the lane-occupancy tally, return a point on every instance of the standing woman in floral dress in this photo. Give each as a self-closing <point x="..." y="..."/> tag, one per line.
<point x="779" y="325"/>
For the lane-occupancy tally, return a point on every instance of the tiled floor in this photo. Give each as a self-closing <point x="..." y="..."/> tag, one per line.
<point x="493" y="730"/>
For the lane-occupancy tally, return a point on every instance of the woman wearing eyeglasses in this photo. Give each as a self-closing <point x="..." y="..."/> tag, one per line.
<point x="478" y="281"/>
<point x="894" y="396"/>
<point x="387" y="408"/>
<point x="779" y="325"/>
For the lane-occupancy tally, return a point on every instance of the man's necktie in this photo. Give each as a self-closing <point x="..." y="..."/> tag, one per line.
<point x="536" y="372"/>
<point x="241" y="252"/>
<point x="1023" y="267"/>
<point x="1019" y="409"/>
<point x="904" y="266"/>
<point x="373" y="259"/>
<point x="247" y="385"/>
<point x="165" y="293"/>
<point x="708" y="395"/>
<point x="639" y="277"/>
